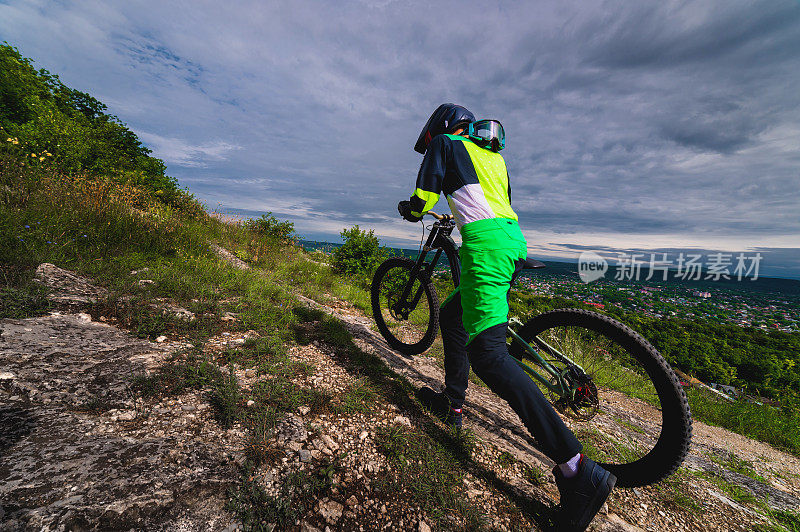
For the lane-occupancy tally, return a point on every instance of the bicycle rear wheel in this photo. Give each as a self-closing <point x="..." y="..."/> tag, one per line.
<point x="408" y="325"/>
<point x="625" y="405"/>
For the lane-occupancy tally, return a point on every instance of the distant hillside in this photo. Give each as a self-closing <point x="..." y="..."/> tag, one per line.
<point x="773" y="285"/>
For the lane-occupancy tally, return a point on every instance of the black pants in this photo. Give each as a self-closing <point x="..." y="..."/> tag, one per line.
<point x="490" y="360"/>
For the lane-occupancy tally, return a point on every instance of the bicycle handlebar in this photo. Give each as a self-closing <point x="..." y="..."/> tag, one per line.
<point x="438" y="216"/>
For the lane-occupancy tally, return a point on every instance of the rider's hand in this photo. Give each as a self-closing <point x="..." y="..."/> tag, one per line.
<point x="404" y="208"/>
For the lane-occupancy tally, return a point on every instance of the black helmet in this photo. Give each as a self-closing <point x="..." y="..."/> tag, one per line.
<point x="445" y="118"/>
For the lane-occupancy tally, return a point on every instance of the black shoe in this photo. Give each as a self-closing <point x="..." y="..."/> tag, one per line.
<point x="583" y="495"/>
<point x="440" y="406"/>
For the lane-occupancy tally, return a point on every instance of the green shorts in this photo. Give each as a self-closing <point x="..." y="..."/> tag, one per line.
<point x="489" y="252"/>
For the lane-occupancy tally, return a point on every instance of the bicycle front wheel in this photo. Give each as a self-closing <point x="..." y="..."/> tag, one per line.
<point x="405" y="307"/>
<point x="624" y="403"/>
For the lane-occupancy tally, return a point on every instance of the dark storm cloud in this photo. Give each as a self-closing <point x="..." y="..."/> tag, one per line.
<point x="671" y="120"/>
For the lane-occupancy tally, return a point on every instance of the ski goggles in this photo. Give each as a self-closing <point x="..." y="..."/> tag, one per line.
<point x="487" y="133"/>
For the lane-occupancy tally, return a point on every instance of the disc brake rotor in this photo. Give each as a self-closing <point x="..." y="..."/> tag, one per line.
<point x="584" y="403"/>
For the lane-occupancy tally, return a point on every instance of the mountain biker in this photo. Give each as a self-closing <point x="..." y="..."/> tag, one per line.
<point x="461" y="159"/>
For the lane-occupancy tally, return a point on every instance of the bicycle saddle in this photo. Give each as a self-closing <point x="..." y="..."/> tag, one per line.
<point x="533" y="264"/>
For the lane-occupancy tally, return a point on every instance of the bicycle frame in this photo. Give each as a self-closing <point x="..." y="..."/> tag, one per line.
<point x="440" y="240"/>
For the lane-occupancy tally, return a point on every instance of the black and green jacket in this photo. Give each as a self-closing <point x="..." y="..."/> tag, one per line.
<point x="474" y="181"/>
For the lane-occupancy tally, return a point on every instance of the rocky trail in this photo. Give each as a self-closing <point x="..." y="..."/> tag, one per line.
<point x="80" y="451"/>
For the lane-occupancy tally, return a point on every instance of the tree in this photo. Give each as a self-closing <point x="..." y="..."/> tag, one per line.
<point x="360" y="254"/>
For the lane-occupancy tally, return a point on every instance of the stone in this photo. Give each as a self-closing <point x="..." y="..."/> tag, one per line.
<point x="161" y="339"/>
<point x="304" y="410"/>
<point x="249" y="373"/>
<point x="352" y="500"/>
<point x="403" y="420"/>
<point x="363" y="435"/>
<point x="146" y="282"/>
<point x="178" y="312"/>
<point x="229" y="257"/>
<point x="291" y="428"/>
<point x="6" y="376"/>
<point x="329" y="443"/>
<point x="305" y="455"/>
<point x="251" y="403"/>
<point x="331" y="511"/>
<point x="67" y="286"/>
<point x="89" y="471"/>
<point x="305" y="527"/>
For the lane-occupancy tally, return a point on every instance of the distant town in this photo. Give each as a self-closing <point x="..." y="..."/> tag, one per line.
<point x="768" y="304"/>
<point x="725" y="303"/>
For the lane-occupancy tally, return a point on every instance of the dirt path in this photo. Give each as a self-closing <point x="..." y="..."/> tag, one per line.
<point x="494" y="422"/>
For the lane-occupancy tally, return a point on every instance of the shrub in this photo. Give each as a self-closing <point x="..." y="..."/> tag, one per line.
<point x="271" y="227"/>
<point x="360" y="254"/>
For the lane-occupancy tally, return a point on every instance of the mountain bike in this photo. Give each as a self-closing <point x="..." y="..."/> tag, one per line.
<point x="625" y="402"/>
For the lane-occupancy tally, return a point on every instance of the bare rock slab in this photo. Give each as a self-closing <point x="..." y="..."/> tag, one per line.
<point x="67" y="286"/>
<point x="64" y="466"/>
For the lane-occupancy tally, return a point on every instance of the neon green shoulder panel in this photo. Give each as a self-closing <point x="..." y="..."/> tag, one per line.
<point x="493" y="177"/>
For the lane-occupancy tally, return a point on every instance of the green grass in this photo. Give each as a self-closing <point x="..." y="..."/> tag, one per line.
<point x="181" y="373"/>
<point x="286" y="396"/>
<point x="430" y="472"/>
<point x="358" y="397"/>
<point x="227" y="398"/>
<point x="299" y="490"/>
<point x="601" y="447"/>
<point x="785" y="520"/>
<point x="260" y="423"/>
<point x="732" y="462"/>
<point x="630" y="426"/>
<point x="506" y="459"/>
<point x="737" y="493"/>
<point x="533" y="475"/>
<point x="765" y="423"/>
<point x="674" y="492"/>
<point x="26" y="300"/>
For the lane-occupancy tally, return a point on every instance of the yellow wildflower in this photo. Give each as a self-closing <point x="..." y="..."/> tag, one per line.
<point x="33" y="155"/>
<point x="41" y="158"/>
<point x="15" y="141"/>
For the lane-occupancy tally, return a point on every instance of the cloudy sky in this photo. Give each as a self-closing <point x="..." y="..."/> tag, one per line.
<point x="630" y="125"/>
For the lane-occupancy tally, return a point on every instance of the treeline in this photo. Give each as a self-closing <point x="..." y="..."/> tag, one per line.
<point x="45" y="122"/>
<point x="762" y="363"/>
